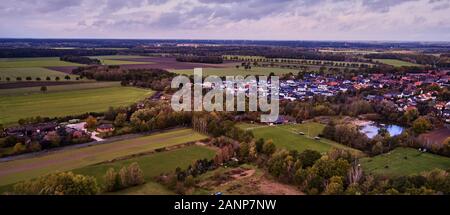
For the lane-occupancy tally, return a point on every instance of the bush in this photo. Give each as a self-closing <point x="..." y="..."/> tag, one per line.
<point x="19" y="148"/>
<point x="63" y="183"/>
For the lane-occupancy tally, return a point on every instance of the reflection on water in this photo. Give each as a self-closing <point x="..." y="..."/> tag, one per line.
<point x="371" y="130"/>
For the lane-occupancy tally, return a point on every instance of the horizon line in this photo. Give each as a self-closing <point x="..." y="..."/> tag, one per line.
<point x="261" y="40"/>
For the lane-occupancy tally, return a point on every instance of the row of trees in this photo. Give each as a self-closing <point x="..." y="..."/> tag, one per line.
<point x="128" y="176"/>
<point x="80" y="60"/>
<point x="29" y="78"/>
<point x="62" y="183"/>
<point x="200" y="59"/>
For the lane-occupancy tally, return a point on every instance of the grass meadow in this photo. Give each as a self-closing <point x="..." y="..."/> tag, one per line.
<point x="288" y="137"/>
<point x="404" y="161"/>
<point x="396" y="63"/>
<point x="72" y="102"/>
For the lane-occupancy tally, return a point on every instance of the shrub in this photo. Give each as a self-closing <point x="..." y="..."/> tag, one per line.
<point x="19" y="148"/>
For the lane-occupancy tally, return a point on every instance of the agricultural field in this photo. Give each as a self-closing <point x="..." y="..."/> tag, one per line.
<point x="233" y="71"/>
<point x="152" y="165"/>
<point x="118" y="59"/>
<point x="57" y="88"/>
<point x="34" y="62"/>
<point x="404" y="161"/>
<point x="75" y="158"/>
<point x="35" y="68"/>
<point x="396" y="63"/>
<point x="288" y="137"/>
<point x="33" y="72"/>
<point x="66" y="103"/>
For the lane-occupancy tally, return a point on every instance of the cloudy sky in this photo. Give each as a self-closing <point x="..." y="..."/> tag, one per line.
<point x="408" y="20"/>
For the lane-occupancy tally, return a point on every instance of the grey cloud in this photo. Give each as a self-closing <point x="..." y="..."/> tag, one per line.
<point x="383" y="5"/>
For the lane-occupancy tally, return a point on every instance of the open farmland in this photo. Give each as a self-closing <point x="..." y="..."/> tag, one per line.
<point x="66" y="103"/>
<point x="33" y="72"/>
<point x="117" y="59"/>
<point x="396" y="63"/>
<point x="288" y="137"/>
<point x="35" y="68"/>
<point x="152" y="165"/>
<point x="404" y="161"/>
<point x="34" y="62"/>
<point x="233" y="71"/>
<point x="64" y="160"/>
<point x="56" y="88"/>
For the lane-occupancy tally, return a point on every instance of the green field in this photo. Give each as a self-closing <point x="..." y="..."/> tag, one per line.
<point x="288" y="137"/>
<point x="114" y="59"/>
<point x="13" y="108"/>
<point x="22" y="169"/>
<point x="32" y="67"/>
<point x="58" y="88"/>
<point x="152" y="165"/>
<point x="396" y="63"/>
<point x="233" y="71"/>
<point x="34" y="62"/>
<point x="33" y="72"/>
<point x="404" y="161"/>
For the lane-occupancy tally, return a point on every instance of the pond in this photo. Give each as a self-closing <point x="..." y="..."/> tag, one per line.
<point x="371" y="130"/>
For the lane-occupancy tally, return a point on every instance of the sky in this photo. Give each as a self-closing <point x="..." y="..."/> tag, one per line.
<point x="383" y="20"/>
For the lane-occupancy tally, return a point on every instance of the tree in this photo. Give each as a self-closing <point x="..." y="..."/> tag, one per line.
<point x="125" y="177"/>
<point x="421" y="125"/>
<point x="57" y="78"/>
<point x="131" y="175"/>
<point x="335" y="186"/>
<point x="189" y="181"/>
<point x="244" y="151"/>
<point x="120" y="120"/>
<point x="43" y="89"/>
<point x="309" y="157"/>
<point x="112" y="180"/>
<point x="54" y="138"/>
<point x="67" y="77"/>
<point x="259" y="145"/>
<point x="62" y="183"/>
<point x="91" y="122"/>
<point x="48" y="78"/>
<point x="136" y="176"/>
<point x="268" y="147"/>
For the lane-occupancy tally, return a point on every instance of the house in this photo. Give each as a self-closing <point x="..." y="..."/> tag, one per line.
<point x="103" y="128"/>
